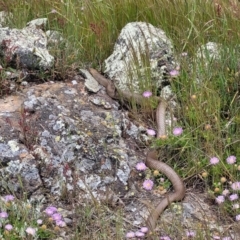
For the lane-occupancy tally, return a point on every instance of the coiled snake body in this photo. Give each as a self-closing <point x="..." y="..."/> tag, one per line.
<point x="151" y="159"/>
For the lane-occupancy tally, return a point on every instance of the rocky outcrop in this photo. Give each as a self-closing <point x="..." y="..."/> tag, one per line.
<point x="25" y="48"/>
<point x="142" y="53"/>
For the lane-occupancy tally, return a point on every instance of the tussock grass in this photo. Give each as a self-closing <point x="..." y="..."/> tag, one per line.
<point x="93" y="26"/>
<point x="209" y="96"/>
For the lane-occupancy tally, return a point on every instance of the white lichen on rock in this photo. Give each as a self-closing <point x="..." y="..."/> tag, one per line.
<point x="141" y="53"/>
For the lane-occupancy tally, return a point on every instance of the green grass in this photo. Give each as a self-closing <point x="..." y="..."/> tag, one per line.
<point x="209" y="110"/>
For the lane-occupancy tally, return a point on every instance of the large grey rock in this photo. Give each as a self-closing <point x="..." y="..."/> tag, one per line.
<point x="142" y="52"/>
<point x="72" y="144"/>
<point x="25" y="48"/>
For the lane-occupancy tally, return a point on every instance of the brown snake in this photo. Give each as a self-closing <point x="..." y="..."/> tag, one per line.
<point x="151" y="160"/>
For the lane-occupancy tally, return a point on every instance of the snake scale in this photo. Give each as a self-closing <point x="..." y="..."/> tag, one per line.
<point x="151" y="159"/>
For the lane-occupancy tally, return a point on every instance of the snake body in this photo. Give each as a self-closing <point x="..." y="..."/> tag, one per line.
<point x="151" y="159"/>
<point x="177" y="195"/>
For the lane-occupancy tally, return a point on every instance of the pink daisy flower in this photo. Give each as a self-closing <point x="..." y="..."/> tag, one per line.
<point x="220" y="199"/>
<point x="8" y="227"/>
<point x="31" y="231"/>
<point x="214" y="160"/>
<point x="141" y="166"/>
<point x="235" y="186"/>
<point x="190" y="233"/>
<point x="231" y="159"/>
<point x="50" y="210"/>
<point x="233" y="197"/>
<point x="238" y="217"/>
<point x="151" y="132"/>
<point x="147" y="94"/>
<point x="130" y="235"/>
<point x="165" y="238"/>
<point x="8" y="198"/>
<point x="148" y="184"/>
<point x="177" y="131"/>
<point x="56" y="216"/>
<point x="39" y="221"/>
<point x="3" y="215"/>
<point x="139" y="234"/>
<point x="174" y="73"/>
<point x="60" y="223"/>
<point x="144" y="229"/>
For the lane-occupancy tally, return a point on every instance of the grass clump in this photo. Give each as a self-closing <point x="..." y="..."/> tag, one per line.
<point x="98" y="222"/>
<point x="92" y="27"/>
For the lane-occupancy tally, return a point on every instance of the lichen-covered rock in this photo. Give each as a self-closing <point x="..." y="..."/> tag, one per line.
<point x="21" y="176"/>
<point x="25" y="48"/>
<point x="209" y="51"/>
<point x="8" y="152"/>
<point x="75" y="146"/>
<point x="54" y="37"/>
<point x="142" y="52"/>
<point x="38" y="23"/>
<point x="90" y="83"/>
